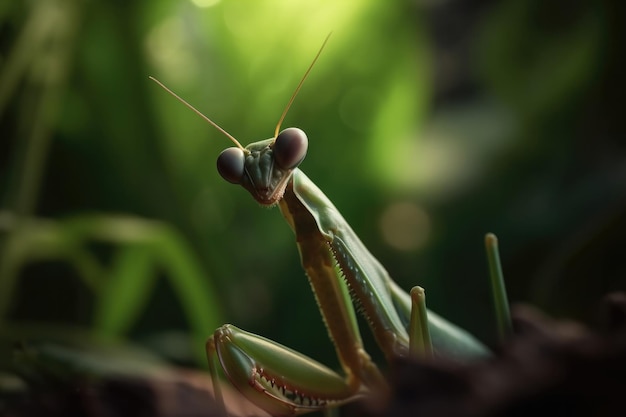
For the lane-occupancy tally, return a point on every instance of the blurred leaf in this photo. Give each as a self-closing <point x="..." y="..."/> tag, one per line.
<point x="129" y="285"/>
<point x="143" y="248"/>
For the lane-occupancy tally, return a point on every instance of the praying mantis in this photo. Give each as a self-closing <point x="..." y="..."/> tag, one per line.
<point x="343" y="275"/>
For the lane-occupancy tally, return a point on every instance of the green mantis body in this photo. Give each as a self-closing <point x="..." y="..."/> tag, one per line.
<point x="325" y="240"/>
<point x="341" y="271"/>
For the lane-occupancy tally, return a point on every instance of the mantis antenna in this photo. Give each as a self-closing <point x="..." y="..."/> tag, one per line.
<point x="215" y="125"/>
<point x="282" y="117"/>
<point x="295" y="93"/>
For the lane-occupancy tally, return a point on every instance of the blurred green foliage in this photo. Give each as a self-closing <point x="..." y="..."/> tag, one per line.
<point x="430" y="124"/>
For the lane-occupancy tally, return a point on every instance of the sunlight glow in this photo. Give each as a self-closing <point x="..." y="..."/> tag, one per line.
<point x="168" y="50"/>
<point x="205" y="3"/>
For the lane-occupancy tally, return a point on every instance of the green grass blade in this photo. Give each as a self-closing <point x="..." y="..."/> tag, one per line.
<point x="501" y="303"/>
<point x="419" y="334"/>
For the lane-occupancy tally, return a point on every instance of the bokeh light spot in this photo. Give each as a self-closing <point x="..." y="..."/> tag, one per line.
<point x="405" y="226"/>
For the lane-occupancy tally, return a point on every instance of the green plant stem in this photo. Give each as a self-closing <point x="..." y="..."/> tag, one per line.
<point x="501" y="302"/>
<point x="420" y="343"/>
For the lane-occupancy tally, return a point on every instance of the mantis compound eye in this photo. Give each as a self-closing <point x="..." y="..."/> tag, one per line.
<point x="230" y="165"/>
<point x="290" y="148"/>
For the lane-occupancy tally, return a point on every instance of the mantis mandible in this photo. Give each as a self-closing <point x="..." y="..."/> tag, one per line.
<point x="341" y="271"/>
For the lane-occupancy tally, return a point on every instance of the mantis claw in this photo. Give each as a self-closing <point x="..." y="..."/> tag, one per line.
<point x="275" y="377"/>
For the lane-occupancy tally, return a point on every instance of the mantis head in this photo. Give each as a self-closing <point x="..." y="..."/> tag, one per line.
<point x="264" y="168"/>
